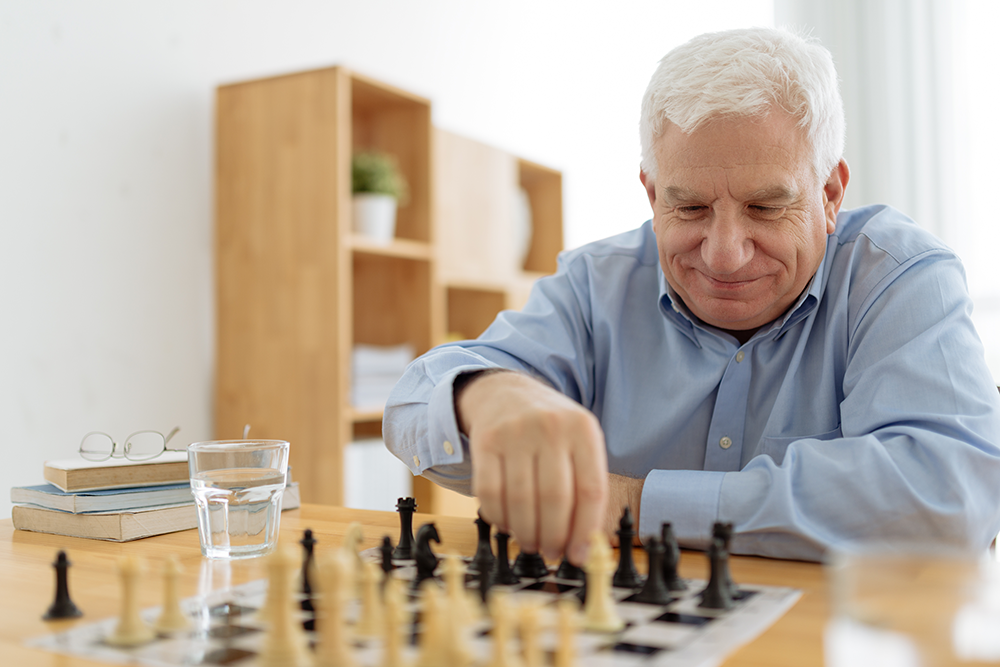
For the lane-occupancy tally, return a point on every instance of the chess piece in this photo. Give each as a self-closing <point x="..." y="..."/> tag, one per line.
<point x="395" y="622"/>
<point x="370" y="623"/>
<point x="566" y="626"/>
<point x="600" y="614"/>
<point x="626" y="576"/>
<point x="484" y="559"/>
<point x="308" y="543"/>
<point x="655" y="590"/>
<point x="386" y="551"/>
<point x="671" y="559"/>
<point x="131" y="629"/>
<point x="406" y="507"/>
<point x="433" y="642"/>
<point x="463" y="606"/>
<point x="502" y="574"/>
<point x="500" y="612"/>
<point x="62" y="606"/>
<point x="485" y="580"/>
<point x="716" y="594"/>
<point x="529" y="621"/>
<point x="332" y="579"/>
<point x="351" y="547"/>
<point x="569" y="571"/>
<point x="285" y="643"/>
<point x="530" y="566"/>
<point x="172" y="618"/>
<point x="724" y="531"/>
<point x="426" y="560"/>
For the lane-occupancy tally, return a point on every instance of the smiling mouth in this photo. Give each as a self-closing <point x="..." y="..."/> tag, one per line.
<point x="728" y="284"/>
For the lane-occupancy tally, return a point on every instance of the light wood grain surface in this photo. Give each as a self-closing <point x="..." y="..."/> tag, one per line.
<point x="27" y="581"/>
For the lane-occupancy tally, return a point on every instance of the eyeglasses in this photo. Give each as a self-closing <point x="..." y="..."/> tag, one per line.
<point x="140" y="446"/>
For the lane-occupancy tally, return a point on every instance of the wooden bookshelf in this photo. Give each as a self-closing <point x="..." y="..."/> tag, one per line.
<point x="296" y="288"/>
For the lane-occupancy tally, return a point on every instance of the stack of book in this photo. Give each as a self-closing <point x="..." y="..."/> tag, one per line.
<point x="116" y="500"/>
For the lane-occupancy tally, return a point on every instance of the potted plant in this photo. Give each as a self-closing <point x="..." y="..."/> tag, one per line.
<point x="378" y="188"/>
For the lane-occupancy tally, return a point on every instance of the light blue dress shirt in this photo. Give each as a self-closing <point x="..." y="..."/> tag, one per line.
<point x="865" y="414"/>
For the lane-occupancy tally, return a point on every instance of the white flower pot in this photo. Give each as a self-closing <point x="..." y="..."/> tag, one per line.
<point x="375" y="216"/>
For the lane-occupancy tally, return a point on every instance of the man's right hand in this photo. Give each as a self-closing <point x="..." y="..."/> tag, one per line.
<point x="539" y="465"/>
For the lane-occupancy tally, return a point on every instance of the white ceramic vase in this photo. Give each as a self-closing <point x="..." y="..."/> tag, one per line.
<point x="375" y="216"/>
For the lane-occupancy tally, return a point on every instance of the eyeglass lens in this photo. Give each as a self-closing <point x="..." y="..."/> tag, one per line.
<point x="139" y="446"/>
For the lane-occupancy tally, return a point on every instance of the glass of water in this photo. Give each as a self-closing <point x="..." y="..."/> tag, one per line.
<point x="237" y="486"/>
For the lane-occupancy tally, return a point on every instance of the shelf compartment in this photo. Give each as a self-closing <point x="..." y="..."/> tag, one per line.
<point x="544" y="188"/>
<point x="388" y="120"/>
<point x="472" y="310"/>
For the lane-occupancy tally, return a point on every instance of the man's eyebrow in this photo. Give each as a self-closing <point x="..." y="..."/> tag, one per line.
<point x="774" y="193"/>
<point x="677" y="193"/>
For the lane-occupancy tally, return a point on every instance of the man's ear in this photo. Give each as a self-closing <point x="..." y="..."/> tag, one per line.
<point x="833" y="193"/>
<point x="650" y="185"/>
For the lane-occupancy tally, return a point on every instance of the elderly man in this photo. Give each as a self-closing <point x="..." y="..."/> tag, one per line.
<point x="752" y="354"/>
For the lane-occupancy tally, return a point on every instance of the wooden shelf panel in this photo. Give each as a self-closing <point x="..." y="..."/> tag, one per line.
<point x="403" y="248"/>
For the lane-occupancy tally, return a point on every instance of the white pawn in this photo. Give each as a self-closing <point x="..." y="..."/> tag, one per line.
<point x="464" y="604"/>
<point x="503" y="655"/>
<point x="172" y="618"/>
<point x="333" y="579"/>
<point x="351" y="547"/>
<point x="370" y="623"/>
<point x="435" y="650"/>
<point x="285" y="643"/>
<point x="531" y="650"/>
<point x="131" y="629"/>
<point x="395" y="623"/>
<point x="600" y="614"/>
<point x="566" y="626"/>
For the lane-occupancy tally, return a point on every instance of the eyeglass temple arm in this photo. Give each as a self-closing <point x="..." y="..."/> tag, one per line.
<point x="167" y="439"/>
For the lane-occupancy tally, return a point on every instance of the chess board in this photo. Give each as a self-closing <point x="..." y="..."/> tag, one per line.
<point x="225" y="630"/>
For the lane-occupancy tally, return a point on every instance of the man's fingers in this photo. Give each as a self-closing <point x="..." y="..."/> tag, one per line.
<point x="590" y="501"/>
<point x="555" y="497"/>
<point x="521" y="499"/>
<point x="487" y="485"/>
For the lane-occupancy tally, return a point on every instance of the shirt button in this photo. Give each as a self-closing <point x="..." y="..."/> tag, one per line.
<point x="726" y="442"/>
<point x="448" y="449"/>
<point x="739" y="356"/>
<point x="416" y="460"/>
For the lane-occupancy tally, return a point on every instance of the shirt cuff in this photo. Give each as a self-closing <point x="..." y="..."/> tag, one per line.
<point x="445" y="445"/>
<point x="687" y="499"/>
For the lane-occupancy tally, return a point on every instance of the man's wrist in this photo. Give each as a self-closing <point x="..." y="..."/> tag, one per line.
<point x="463" y="380"/>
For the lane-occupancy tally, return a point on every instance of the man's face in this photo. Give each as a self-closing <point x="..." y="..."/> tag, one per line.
<point x="740" y="218"/>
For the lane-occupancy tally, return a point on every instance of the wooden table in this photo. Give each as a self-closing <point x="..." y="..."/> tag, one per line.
<point x="27" y="581"/>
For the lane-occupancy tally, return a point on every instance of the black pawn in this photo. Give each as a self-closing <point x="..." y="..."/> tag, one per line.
<point x="671" y="559"/>
<point x="530" y="566"/>
<point x="569" y="571"/>
<point x="484" y="559"/>
<point x="502" y="574"/>
<point x="63" y="606"/>
<point x="307" y="542"/>
<point x="386" y="550"/>
<point x="717" y="595"/>
<point x="655" y="590"/>
<point x="626" y="576"/>
<point x="406" y="507"/>
<point x="724" y="532"/>
<point x="485" y="578"/>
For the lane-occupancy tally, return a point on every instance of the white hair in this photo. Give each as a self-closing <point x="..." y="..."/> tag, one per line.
<point x="747" y="72"/>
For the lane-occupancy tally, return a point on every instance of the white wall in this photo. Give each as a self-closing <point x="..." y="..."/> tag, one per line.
<point x="106" y="167"/>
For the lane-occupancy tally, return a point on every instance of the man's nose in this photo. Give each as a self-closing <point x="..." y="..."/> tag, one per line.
<point x="727" y="246"/>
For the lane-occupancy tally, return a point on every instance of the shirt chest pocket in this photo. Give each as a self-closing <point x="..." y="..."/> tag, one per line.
<point x="775" y="446"/>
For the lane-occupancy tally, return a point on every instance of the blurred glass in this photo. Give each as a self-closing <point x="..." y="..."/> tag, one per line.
<point x="913" y="606"/>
